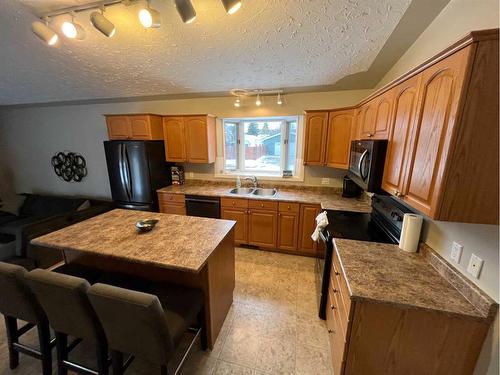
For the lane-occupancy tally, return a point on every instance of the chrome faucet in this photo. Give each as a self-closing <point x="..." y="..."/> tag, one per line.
<point x="254" y="180"/>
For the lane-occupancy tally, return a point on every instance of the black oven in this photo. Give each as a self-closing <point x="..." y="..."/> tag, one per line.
<point x="366" y="163"/>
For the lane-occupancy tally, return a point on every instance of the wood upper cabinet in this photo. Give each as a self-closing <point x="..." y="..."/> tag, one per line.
<point x="400" y="142"/>
<point x="315" y="137"/>
<point x="308" y="213"/>
<point x="190" y="138"/>
<point x="340" y="129"/>
<point x="438" y="105"/>
<point x="134" y="127"/>
<point x="383" y="111"/>
<point x="367" y="125"/>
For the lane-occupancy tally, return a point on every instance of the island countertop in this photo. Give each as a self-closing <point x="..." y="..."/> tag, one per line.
<point x="177" y="242"/>
<point x="383" y="273"/>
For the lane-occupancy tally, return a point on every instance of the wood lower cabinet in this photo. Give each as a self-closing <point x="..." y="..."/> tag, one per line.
<point x="307" y="225"/>
<point x="172" y="203"/>
<point x="262" y="228"/>
<point x="134" y="127"/>
<point x="288" y="226"/>
<point x="240" y="215"/>
<point x="190" y="138"/>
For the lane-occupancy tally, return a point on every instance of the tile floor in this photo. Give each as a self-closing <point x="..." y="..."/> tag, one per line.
<point x="272" y="327"/>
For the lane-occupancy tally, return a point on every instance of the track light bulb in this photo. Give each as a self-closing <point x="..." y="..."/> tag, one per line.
<point x="44" y="32"/>
<point x="149" y="18"/>
<point x="72" y="30"/>
<point x="237" y="102"/>
<point x="231" y="6"/>
<point x="102" y="24"/>
<point x="258" y="102"/>
<point x="185" y="10"/>
<point x="279" y="101"/>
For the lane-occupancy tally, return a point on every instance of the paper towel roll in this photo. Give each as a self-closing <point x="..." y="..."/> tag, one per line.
<point x="410" y="234"/>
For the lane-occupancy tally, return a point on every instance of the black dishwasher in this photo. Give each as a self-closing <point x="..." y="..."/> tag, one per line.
<point x="202" y="206"/>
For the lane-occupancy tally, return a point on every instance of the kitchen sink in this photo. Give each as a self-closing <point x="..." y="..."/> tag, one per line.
<point x="241" y="191"/>
<point x="265" y="192"/>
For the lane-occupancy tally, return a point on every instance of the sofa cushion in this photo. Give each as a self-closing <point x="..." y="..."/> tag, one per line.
<point x="43" y="206"/>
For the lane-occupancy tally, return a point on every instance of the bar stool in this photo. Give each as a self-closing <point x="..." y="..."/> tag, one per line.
<point x="147" y="325"/>
<point x="64" y="299"/>
<point x="18" y="302"/>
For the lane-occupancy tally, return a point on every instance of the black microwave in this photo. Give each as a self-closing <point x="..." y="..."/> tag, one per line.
<point x="366" y="164"/>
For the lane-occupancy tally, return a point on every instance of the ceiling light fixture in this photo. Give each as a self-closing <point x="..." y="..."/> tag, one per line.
<point x="279" y="101"/>
<point x="102" y="24"/>
<point x="149" y="17"/>
<point x="237" y="102"/>
<point x="258" y="102"/>
<point x="44" y="32"/>
<point x="185" y="10"/>
<point x="73" y="30"/>
<point x="231" y="6"/>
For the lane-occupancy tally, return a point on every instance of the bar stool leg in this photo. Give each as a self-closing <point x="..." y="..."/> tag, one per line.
<point x="12" y="337"/>
<point x="45" y="349"/>
<point x="203" y="333"/>
<point x="102" y="359"/>
<point x="117" y="361"/>
<point x="62" y="352"/>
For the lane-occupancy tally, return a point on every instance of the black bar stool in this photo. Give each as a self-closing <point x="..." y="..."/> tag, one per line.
<point x="64" y="299"/>
<point x="148" y="325"/>
<point x="18" y="302"/>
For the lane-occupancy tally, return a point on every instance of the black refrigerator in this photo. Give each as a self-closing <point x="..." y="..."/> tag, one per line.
<point x="136" y="170"/>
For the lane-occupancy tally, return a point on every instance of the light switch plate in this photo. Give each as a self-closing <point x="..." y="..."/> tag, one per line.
<point x="325" y="181"/>
<point x="456" y="252"/>
<point x="475" y="265"/>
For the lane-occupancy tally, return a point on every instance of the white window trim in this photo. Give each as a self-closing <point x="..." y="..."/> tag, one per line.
<point x="299" y="165"/>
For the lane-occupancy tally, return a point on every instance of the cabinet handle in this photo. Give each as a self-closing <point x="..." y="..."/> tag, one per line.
<point x="279" y="214"/>
<point x="332" y="307"/>
<point x="337" y="273"/>
<point x="335" y="290"/>
<point x="370" y="135"/>
<point x="262" y="204"/>
<point x="330" y="331"/>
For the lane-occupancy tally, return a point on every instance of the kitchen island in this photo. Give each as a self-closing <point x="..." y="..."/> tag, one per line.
<point x="184" y="250"/>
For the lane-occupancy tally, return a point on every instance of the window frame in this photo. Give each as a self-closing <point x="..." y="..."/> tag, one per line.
<point x="298" y="174"/>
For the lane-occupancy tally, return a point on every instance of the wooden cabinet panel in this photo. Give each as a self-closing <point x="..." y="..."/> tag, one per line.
<point x="368" y="120"/>
<point x="340" y="126"/>
<point x="168" y="198"/>
<point x="175" y="145"/>
<point x="118" y="127"/>
<point x="439" y="99"/>
<point x="196" y="139"/>
<point x="289" y="207"/>
<point x="383" y="107"/>
<point x="288" y="227"/>
<point x="239" y="215"/>
<point x="315" y="138"/>
<point x="263" y="204"/>
<point x="176" y="209"/>
<point x="307" y="225"/>
<point x="140" y="127"/>
<point x="234" y="202"/>
<point x="400" y="142"/>
<point x="262" y="228"/>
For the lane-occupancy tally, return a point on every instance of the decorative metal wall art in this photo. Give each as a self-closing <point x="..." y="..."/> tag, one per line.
<point x="69" y="166"/>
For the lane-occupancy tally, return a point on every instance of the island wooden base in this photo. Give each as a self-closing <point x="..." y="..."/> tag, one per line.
<point x="216" y="279"/>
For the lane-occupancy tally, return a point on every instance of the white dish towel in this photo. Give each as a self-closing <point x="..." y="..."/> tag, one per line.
<point x="321" y="222"/>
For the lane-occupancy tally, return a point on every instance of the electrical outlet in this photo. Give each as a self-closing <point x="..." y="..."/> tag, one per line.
<point x="325" y="181"/>
<point x="456" y="252"/>
<point x="475" y="265"/>
<point x="190" y="175"/>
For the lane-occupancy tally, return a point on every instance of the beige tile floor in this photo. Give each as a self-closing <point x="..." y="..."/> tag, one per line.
<point x="272" y="327"/>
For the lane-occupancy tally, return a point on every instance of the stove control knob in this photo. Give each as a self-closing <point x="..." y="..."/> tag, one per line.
<point x="396" y="216"/>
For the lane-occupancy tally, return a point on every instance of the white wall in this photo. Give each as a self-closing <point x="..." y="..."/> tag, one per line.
<point x="456" y="20"/>
<point x="29" y="137"/>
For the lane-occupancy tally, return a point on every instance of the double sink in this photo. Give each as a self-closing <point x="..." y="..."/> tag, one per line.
<point x="261" y="192"/>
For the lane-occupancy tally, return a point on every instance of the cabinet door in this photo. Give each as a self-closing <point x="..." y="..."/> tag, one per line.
<point x="140" y="127"/>
<point x="262" y="228"/>
<point x="196" y="139"/>
<point x="399" y="144"/>
<point x="176" y="209"/>
<point x="357" y="123"/>
<point x="438" y="103"/>
<point x="288" y="227"/>
<point x="118" y="127"/>
<point x="383" y="112"/>
<point x="239" y="215"/>
<point x="173" y="131"/>
<point x="368" y="121"/>
<point x="307" y="225"/>
<point x="340" y="125"/>
<point x="315" y="138"/>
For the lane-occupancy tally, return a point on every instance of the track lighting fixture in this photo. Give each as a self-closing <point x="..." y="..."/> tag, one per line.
<point x="231" y="6"/>
<point x="185" y="10"/>
<point x="44" y="32"/>
<point x="149" y="17"/>
<point x="237" y="102"/>
<point x="102" y="24"/>
<point x="279" y="101"/>
<point x="73" y="30"/>
<point x="258" y="94"/>
<point x="258" y="102"/>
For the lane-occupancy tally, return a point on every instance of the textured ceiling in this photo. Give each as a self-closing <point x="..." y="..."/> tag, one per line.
<point x="267" y="44"/>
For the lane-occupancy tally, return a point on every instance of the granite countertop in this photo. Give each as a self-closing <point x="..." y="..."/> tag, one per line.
<point x="328" y="198"/>
<point x="383" y="273"/>
<point x="177" y="242"/>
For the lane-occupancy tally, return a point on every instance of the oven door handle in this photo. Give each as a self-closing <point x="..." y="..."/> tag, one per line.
<point x="360" y="164"/>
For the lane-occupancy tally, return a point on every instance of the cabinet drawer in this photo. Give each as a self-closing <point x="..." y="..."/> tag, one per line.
<point x="337" y="274"/>
<point x="263" y="205"/>
<point x="171" y="198"/>
<point x="289" y="207"/>
<point x="234" y="202"/>
<point x="339" y="304"/>
<point x="175" y="209"/>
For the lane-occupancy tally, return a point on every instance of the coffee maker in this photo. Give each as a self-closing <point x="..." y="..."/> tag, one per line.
<point x="350" y="189"/>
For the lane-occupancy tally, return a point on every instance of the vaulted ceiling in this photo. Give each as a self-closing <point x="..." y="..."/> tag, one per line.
<point x="267" y="44"/>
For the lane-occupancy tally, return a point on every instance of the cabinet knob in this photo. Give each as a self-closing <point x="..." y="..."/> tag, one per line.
<point x="337" y="273"/>
<point x="330" y="331"/>
<point x="335" y="290"/>
<point x="332" y="307"/>
<point x="370" y="135"/>
<point x="262" y="204"/>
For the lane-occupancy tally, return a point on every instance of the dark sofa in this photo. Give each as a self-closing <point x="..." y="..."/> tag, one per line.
<point x="39" y="215"/>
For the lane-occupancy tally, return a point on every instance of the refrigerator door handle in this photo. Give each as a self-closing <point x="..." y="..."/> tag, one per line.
<point x="123" y="172"/>
<point x="129" y="176"/>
